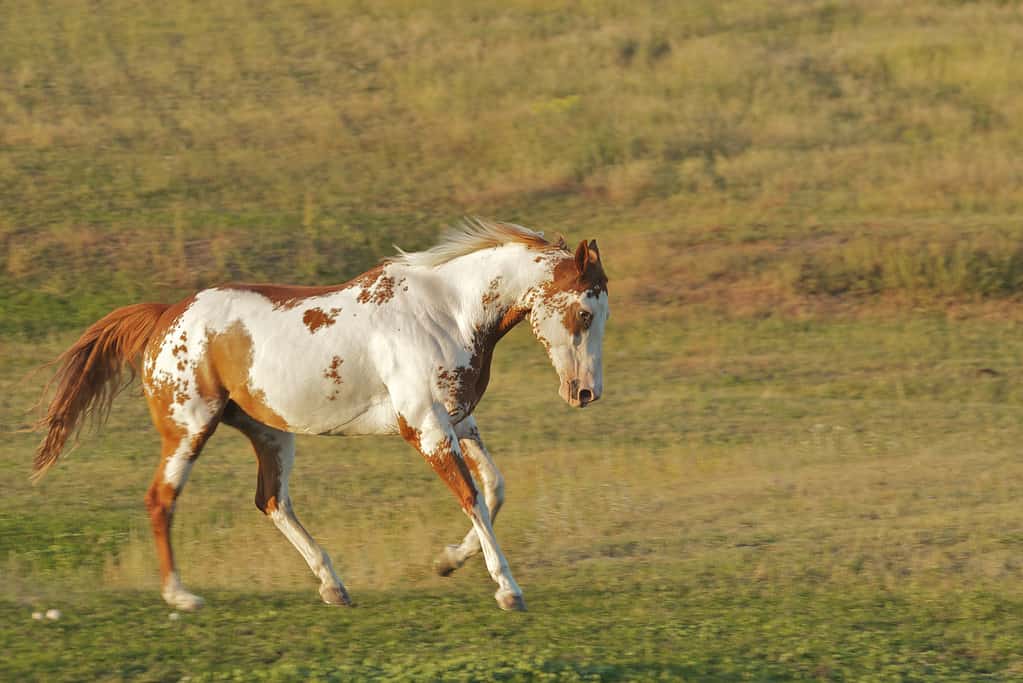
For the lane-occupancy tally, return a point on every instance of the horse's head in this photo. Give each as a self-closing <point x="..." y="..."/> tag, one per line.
<point x="567" y="316"/>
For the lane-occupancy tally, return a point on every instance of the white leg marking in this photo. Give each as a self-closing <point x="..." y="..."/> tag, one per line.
<point x="178" y="465"/>
<point x="491" y="483"/>
<point x="176" y="596"/>
<point x="437" y="430"/>
<point x="287" y="523"/>
<point x="497" y="565"/>
<point x="317" y="559"/>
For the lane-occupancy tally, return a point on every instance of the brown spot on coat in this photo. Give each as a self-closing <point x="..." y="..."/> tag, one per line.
<point x="228" y="363"/>
<point x="493" y="292"/>
<point x="380" y="291"/>
<point x="315" y="318"/>
<point x="573" y="319"/>
<point x="333" y="373"/>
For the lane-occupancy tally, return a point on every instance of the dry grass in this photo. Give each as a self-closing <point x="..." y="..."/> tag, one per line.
<point x="809" y="215"/>
<point x="149" y="151"/>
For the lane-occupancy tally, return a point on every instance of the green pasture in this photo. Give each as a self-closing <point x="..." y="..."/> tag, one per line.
<point x="754" y="499"/>
<point x="806" y="464"/>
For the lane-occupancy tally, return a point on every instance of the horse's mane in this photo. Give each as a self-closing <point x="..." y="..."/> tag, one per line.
<point x="474" y="234"/>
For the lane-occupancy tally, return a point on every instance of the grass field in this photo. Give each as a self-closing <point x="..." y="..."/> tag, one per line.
<point x="806" y="462"/>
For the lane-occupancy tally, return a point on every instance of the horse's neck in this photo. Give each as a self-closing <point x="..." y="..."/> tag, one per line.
<point x="491" y="288"/>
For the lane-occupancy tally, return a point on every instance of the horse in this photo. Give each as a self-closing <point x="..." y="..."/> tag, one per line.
<point x="403" y="349"/>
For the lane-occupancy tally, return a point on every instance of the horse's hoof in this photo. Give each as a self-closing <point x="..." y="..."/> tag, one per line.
<point x="335" y="595"/>
<point x="445" y="565"/>
<point x="183" y="600"/>
<point x="510" y="602"/>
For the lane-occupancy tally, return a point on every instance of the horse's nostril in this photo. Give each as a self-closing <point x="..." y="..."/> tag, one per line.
<point x="585" y="396"/>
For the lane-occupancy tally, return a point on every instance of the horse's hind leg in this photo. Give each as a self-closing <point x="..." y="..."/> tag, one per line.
<point x="181" y="446"/>
<point x="275" y="451"/>
<point x="489" y="479"/>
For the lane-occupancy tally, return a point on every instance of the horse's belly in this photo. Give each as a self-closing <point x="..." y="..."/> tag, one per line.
<point x="329" y="400"/>
<point x="376" y="419"/>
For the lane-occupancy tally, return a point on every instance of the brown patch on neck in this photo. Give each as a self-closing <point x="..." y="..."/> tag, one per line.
<point x="315" y="318"/>
<point x="466" y="385"/>
<point x="486" y="340"/>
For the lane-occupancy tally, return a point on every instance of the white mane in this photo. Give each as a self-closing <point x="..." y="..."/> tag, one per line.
<point x="473" y="234"/>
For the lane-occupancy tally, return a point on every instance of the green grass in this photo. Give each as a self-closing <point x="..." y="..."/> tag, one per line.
<point x="638" y="625"/>
<point x="806" y="462"/>
<point x="751" y="499"/>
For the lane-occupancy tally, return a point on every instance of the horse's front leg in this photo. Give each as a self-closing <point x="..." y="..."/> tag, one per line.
<point x="433" y="435"/>
<point x="488" y="478"/>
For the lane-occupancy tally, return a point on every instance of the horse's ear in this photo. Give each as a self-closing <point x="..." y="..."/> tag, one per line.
<point x="582" y="257"/>
<point x="594" y="252"/>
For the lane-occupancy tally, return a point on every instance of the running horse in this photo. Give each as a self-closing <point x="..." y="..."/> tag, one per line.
<point x="405" y="348"/>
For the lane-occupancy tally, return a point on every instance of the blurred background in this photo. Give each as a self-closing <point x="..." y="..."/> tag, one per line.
<point x="806" y="462"/>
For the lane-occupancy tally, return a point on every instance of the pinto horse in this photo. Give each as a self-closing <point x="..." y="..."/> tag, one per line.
<point x="404" y="348"/>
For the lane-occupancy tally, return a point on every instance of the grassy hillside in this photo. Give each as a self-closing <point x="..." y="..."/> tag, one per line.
<point x="805" y="464"/>
<point x="831" y="148"/>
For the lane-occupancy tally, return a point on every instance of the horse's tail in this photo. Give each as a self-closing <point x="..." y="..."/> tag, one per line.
<point x="89" y="376"/>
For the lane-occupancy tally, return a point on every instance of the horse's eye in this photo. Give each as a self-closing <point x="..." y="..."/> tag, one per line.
<point x="585" y="317"/>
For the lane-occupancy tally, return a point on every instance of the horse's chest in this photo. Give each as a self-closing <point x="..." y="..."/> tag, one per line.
<point x="461" y="387"/>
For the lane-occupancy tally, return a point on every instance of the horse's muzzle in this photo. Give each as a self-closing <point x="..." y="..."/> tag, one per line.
<point x="579" y="396"/>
